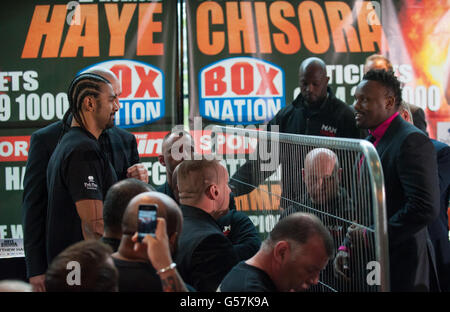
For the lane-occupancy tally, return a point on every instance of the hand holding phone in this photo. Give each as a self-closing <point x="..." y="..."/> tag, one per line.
<point x="146" y="220"/>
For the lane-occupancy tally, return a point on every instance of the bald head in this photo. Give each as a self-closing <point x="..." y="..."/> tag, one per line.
<point x="322" y="157"/>
<point x="313" y="62"/>
<point x="321" y="175"/>
<point x="313" y="81"/>
<point x="300" y="227"/>
<point x="195" y="175"/>
<point x="108" y="75"/>
<point x="177" y="146"/>
<point x="301" y="246"/>
<point x="377" y="62"/>
<point x="167" y="209"/>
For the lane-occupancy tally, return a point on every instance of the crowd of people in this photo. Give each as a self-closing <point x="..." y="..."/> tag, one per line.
<point x="84" y="185"/>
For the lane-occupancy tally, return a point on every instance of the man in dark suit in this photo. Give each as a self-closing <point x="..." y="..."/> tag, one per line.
<point x="204" y="255"/>
<point x="378" y="61"/>
<point x="119" y="144"/>
<point x="411" y="180"/>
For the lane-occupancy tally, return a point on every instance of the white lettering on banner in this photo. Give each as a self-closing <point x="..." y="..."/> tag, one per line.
<point x="15" y="231"/>
<point x="5" y="107"/>
<point x="158" y="176"/>
<point x="264" y="223"/>
<point x="241" y="90"/>
<point x="156" y="172"/>
<point x="17" y="79"/>
<point x="3" y="233"/>
<point x="233" y="110"/>
<point x="150" y="146"/>
<point x="11" y="248"/>
<point x="137" y="112"/>
<point x="14" y="178"/>
<point x="33" y="106"/>
<point x="16" y="148"/>
<point x="351" y="74"/>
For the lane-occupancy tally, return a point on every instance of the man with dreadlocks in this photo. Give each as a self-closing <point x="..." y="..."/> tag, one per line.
<point x="79" y="173"/>
<point x="119" y="146"/>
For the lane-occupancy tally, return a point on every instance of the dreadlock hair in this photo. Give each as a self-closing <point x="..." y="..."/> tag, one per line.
<point x="83" y="85"/>
<point x="388" y="80"/>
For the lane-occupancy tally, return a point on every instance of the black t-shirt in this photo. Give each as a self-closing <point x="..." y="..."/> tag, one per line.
<point x="137" y="276"/>
<point x="247" y="278"/>
<point x="77" y="170"/>
<point x="114" y="243"/>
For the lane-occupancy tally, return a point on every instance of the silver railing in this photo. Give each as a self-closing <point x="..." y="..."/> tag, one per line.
<point x="349" y="197"/>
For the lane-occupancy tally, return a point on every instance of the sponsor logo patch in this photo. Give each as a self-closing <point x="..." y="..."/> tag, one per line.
<point x="241" y="90"/>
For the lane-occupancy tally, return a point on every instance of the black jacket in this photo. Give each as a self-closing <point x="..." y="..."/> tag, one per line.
<point x="334" y="119"/>
<point x="438" y="229"/>
<point x="204" y="255"/>
<point x="235" y="225"/>
<point x="34" y="205"/>
<point x="411" y="182"/>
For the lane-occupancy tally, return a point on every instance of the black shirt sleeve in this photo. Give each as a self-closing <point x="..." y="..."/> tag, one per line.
<point x="84" y="172"/>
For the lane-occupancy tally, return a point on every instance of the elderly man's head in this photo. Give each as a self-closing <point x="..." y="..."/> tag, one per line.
<point x="321" y="174"/>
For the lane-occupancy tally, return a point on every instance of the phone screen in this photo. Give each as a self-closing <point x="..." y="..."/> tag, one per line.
<point x="146" y="220"/>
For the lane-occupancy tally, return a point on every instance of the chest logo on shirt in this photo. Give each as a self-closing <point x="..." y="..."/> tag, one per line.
<point x="328" y="130"/>
<point x="226" y="230"/>
<point x="91" y="185"/>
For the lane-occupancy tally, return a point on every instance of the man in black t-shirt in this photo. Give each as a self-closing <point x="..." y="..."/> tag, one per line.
<point x="118" y="144"/>
<point x="116" y="201"/>
<point x="79" y="173"/>
<point x="290" y="259"/>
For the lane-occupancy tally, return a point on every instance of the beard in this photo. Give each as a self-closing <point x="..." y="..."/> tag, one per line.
<point x="315" y="103"/>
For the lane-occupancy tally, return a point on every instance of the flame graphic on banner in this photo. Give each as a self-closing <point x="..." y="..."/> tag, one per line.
<point x="426" y="31"/>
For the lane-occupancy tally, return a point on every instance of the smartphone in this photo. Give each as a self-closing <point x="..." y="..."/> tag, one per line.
<point x="146" y="220"/>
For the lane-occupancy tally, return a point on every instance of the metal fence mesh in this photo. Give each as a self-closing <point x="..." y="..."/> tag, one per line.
<point x="338" y="180"/>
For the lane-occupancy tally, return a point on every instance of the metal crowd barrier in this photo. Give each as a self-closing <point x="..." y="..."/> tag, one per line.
<point x="349" y="197"/>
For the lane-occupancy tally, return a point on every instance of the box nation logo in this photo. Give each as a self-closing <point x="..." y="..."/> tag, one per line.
<point x="241" y="90"/>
